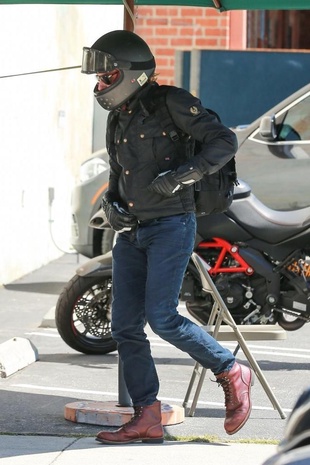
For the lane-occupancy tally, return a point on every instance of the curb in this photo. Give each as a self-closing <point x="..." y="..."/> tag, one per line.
<point x="16" y="354"/>
<point x="49" y="319"/>
<point x="109" y="413"/>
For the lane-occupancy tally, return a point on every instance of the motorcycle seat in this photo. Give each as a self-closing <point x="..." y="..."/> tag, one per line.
<point x="264" y="223"/>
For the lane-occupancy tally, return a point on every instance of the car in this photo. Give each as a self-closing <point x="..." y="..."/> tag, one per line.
<point x="85" y="202"/>
<point x="274" y="153"/>
<point x="273" y="158"/>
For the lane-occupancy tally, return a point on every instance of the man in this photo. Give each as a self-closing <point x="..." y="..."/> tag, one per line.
<point x="150" y="202"/>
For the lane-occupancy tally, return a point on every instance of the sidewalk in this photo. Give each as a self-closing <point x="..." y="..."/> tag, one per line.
<point x="31" y="418"/>
<point x="51" y="450"/>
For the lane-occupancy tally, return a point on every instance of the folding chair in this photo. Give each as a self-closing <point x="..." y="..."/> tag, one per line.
<point x="220" y="314"/>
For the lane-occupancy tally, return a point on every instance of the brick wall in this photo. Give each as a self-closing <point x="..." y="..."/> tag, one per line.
<point x="167" y="29"/>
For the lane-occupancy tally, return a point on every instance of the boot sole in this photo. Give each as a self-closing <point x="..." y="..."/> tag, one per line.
<point x="144" y="440"/>
<point x="251" y="383"/>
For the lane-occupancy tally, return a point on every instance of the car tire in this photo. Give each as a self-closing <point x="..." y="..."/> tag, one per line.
<point x="107" y="240"/>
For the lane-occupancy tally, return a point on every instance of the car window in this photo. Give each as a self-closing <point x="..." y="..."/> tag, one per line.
<point x="296" y="123"/>
<point x="278" y="170"/>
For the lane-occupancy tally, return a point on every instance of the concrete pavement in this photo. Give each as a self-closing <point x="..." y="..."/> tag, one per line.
<point x="51" y="450"/>
<point x="31" y="442"/>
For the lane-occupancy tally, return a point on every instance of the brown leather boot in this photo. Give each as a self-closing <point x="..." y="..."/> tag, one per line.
<point x="144" y="426"/>
<point x="236" y="384"/>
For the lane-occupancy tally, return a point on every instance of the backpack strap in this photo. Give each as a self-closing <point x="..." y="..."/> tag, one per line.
<point x="110" y="140"/>
<point x="160" y="108"/>
<point x="165" y="118"/>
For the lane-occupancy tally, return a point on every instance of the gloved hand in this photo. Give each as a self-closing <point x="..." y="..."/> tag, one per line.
<point x="119" y="219"/>
<point x="171" y="182"/>
<point x="165" y="184"/>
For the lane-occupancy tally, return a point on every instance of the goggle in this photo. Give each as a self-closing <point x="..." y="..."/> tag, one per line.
<point x="95" y="61"/>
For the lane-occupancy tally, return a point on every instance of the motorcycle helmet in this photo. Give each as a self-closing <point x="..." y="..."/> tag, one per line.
<point x="123" y="61"/>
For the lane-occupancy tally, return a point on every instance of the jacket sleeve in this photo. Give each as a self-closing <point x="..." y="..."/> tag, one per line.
<point x="218" y="144"/>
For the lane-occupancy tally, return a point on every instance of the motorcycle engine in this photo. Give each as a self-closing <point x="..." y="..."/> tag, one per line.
<point x="243" y="295"/>
<point x="231" y="290"/>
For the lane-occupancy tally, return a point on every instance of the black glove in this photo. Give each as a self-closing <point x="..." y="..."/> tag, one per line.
<point x="170" y="183"/>
<point x="118" y="218"/>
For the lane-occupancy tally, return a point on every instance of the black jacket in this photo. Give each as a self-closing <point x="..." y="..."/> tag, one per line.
<point x="140" y="149"/>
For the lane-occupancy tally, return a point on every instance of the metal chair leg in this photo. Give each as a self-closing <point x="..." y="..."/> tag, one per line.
<point x="219" y="314"/>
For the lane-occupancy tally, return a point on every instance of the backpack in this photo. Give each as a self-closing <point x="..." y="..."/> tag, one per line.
<point x="214" y="192"/>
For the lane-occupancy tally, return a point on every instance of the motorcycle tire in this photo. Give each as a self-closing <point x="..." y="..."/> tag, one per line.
<point x="289" y="322"/>
<point x="83" y="314"/>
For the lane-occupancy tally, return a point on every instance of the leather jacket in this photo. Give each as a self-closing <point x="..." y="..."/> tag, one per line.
<point x="139" y="149"/>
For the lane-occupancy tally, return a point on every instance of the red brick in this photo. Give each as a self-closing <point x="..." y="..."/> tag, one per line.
<point x="182" y="42"/>
<point x="225" y="21"/>
<point x="208" y="42"/>
<point x="192" y="11"/>
<point x="144" y="31"/>
<point x="214" y="13"/>
<point x="164" y="51"/>
<point x="144" y="10"/>
<point x="166" y="11"/>
<point x="156" y="21"/>
<point x="214" y="32"/>
<point x="224" y="42"/>
<point x="181" y="21"/>
<point x="161" y="62"/>
<point x="207" y="22"/>
<point x="167" y="72"/>
<point x="156" y="41"/>
<point x="189" y="31"/>
<point x="166" y="31"/>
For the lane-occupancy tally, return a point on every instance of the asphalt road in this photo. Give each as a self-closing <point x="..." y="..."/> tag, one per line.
<point x="33" y="399"/>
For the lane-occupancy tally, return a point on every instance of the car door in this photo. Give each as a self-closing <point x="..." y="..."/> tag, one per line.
<point x="277" y="167"/>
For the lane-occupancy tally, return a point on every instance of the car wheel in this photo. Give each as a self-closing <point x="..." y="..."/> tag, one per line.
<point x="107" y="240"/>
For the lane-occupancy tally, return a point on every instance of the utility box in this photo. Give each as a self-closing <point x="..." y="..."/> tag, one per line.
<point x="242" y="85"/>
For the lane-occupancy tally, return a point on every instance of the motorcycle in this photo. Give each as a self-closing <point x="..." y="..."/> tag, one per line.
<point x="257" y="257"/>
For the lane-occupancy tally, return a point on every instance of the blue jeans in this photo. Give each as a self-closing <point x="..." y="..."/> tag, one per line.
<point x="148" y="269"/>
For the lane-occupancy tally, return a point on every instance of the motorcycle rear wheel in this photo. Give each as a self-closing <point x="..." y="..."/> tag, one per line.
<point x="290" y="322"/>
<point x="83" y="314"/>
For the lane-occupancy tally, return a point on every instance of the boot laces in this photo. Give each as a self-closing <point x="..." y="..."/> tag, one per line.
<point x="137" y="414"/>
<point x="225" y="384"/>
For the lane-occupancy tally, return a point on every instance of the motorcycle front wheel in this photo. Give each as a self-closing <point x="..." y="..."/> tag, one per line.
<point x="83" y="314"/>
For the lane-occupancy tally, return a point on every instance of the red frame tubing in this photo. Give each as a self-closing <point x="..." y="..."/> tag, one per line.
<point x="226" y="248"/>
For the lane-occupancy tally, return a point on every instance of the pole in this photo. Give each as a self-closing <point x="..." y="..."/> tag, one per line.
<point x="129" y="24"/>
<point x="124" y="399"/>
